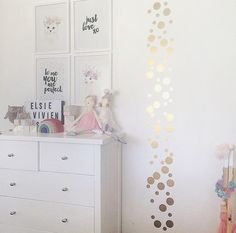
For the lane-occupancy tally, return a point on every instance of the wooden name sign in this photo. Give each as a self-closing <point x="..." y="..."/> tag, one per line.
<point x="42" y="110"/>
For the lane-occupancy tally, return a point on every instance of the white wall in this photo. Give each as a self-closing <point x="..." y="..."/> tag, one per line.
<point x="204" y="82"/>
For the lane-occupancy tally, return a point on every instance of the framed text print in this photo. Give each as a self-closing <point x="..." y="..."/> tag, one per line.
<point x="92" y="75"/>
<point x="92" y="25"/>
<point x="53" y="78"/>
<point x="52" y="28"/>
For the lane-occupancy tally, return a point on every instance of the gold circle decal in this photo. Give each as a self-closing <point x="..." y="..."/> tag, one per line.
<point x="150" y="180"/>
<point x="156" y="175"/>
<point x="164" y="42"/>
<point x="157" y="224"/>
<point x="161" y="25"/>
<point x="165" y="169"/>
<point x="162" y="208"/>
<point x="154" y="144"/>
<point x="170" y="201"/>
<point x="161" y="186"/>
<point x="151" y="38"/>
<point x="167" y="12"/>
<point x="157" y="6"/>
<point x="170" y="183"/>
<point x="169" y="160"/>
<point x="169" y="224"/>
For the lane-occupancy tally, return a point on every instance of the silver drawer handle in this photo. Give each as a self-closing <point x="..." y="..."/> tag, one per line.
<point x="12" y="184"/>
<point x="64" y="220"/>
<point x="65" y="189"/>
<point x="11" y="155"/>
<point x="13" y="213"/>
<point x="64" y="158"/>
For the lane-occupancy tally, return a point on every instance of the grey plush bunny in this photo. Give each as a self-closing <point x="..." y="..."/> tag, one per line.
<point x="12" y="112"/>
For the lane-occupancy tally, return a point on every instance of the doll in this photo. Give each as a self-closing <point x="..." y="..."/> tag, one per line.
<point x="223" y="219"/>
<point x="88" y="121"/>
<point x="105" y="115"/>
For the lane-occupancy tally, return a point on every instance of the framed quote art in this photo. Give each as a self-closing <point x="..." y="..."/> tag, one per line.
<point x="53" y="78"/>
<point x="92" y="75"/>
<point x="92" y="25"/>
<point x="52" y="28"/>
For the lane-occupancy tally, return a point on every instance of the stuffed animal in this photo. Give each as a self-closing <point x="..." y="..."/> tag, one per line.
<point x="12" y="112"/>
<point x="88" y="121"/>
<point x="105" y="114"/>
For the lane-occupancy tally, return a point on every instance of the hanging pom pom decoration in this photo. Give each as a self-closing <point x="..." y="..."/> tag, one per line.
<point x="225" y="193"/>
<point x="51" y="126"/>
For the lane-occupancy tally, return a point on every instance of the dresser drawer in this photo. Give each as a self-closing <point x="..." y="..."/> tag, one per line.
<point x="63" y="188"/>
<point x="46" y="216"/>
<point x="11" y="229"/>
<point x="19" y="155"/>
<point x="69" y="158"/>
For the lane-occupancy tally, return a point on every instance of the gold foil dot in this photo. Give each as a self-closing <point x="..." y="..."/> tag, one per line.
<point x="165" y="169"/>
<point x="154" y="22"/>
<point x="156" y="104"/>
<point x="150" y="180"/>
<point x="150" y="109"/>
<point x="157" y="6"/>
<point x="164" y="229"/>
<point x="169" y="117"/>
<point x="169" y="224"/>
<point x="150" y="75"/>
<point x="170" y="175"/>
<point x="151" y="62"/>
<point x="166" y="150"/>
<point x="153" y="49"/>
<point x="164" y="42"/>
<point x="152" y="200"/>
<point x="160" y="68"/>
<point x="171" y="21"/>
<point x="166" y="81"/>
<point x="151" y="38"/>
<point x="164" y="32"/>
<point x="170" y="214"/>
<point x="161" y="186"/>
<point x="170" y="129"/>
<point x="154" y="144"/>
<point x="170" y="50"/>
<point x="157" y="224"/>
<point x="166" y="95"/>
<point x="158" y="88"/>
<point x="155" y="156"/>
<point x="157" y="15"/>
<point x="169" y="160"/>
<point x="159" y="37"/>
<point x="157" y="193"/>
<point x="167" y="12"/>
<point x="148" y="186"/>
<point x="162" y="208"/>
<point x="156" y="175"/>
<point x="170" y="201"/>
<point x="165" y="3"/>
<point x="151" y="162"/>
<point x="161" y="25"/>
<point x="152" y="217"/>
<point x="149" y="11"/>
<point x="167" y="194"/>
<point x="162" y="162"/>
<point x="170" y="183"/>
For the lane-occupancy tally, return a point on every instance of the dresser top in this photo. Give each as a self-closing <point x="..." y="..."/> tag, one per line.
<point x="60" y="137"/>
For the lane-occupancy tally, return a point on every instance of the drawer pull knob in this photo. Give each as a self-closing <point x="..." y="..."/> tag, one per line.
<point x="64" y="220"/>
<point x="13" y="213"/>
<point x="64" y="158"/>
<point x="65" y="189"/>
<point x="11" y="155"/>
<point x="12" y="184"/>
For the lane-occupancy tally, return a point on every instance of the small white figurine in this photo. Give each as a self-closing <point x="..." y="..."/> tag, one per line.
<point x="105" y="114"/>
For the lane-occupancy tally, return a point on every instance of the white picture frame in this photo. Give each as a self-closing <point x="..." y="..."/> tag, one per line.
<point x="92" y="26"/>
<point x="53" y="77"/>
<point x="52" y="27"/>
<point x="92" y="75"/>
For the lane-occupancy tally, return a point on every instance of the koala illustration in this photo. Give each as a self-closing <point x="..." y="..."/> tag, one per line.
<point x="51" y="25"/>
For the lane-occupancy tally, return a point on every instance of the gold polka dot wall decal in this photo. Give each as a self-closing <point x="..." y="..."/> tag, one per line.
<point x="162" y="208"/>
<point x="164" y="42"/>
<point x="166" y="95"/>
<point x="165" y="169"/>
<point x="169" y="160"/>
<point x="170" y="201"/>
<point x="157" y="224"/>
<point x="157" y="6"/>
<point x="153" y="49"/>
<point x="151" y="38"/>
<point x="169" y="224"/>
<point x="158" y="88"/>
<point x="170" y="183"/>
<point x="167" y="12"/>
<point x="161" y="186"/>
<point x="160" y="96"/>
<point x="160" y="68"/>
<point x="154" y="144"/>
<point x="156" y="175"/>
<point x="161" y="25"/>
<point x="150" y="180"/>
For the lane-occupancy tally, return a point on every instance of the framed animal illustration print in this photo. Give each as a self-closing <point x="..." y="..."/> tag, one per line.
<point x="52" y="28"/>
<point x="92" y="25"/>
<point x="53" y="78"/>
<point x="92" y="75"/>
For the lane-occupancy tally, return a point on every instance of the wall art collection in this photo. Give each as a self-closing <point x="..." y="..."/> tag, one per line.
<point x="73" y="49"/>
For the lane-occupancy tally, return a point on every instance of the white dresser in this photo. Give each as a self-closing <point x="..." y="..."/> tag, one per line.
<point x="59" y="184"/>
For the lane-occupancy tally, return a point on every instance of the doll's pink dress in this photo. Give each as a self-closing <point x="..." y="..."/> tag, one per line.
<point x="223" y="223"/>
<point x="87" y="122"/>
<point x="234" y="228"/>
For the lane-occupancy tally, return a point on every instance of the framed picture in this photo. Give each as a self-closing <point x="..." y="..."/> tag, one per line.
<point x="92" y="25"/>
<point x="92" y="75"/>
<point x="53" y="78"/>
<point x="52" y="28"/>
